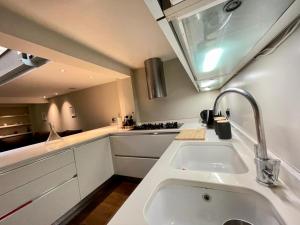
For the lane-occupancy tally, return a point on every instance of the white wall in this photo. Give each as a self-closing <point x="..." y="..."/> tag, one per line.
<point x="274" y="80"/>
<point x="182" y="101"/>
<point x="94" y="107"/>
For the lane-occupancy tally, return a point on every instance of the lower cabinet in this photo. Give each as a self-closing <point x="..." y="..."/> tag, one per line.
<point x="135" y="154"/>
<point x="133" y="167"/>
<point x="94" y="165"/>
<point x="47" y="208"/>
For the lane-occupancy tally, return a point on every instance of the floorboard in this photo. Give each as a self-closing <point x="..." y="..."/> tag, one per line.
<point x="106" y="202"/>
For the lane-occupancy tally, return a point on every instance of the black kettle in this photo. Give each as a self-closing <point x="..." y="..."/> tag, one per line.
<point x="207" y="117"/>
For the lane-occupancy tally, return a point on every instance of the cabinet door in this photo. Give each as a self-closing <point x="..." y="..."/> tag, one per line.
<point x="94" y="165"/>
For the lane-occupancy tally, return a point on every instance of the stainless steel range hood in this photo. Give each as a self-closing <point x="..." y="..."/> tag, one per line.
<point x="155" y="78"/>
<point x="14" y="64"/>
<point x="214" y="39"/>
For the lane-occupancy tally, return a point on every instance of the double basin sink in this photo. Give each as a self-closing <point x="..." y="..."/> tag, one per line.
<point x="179" y="202"/>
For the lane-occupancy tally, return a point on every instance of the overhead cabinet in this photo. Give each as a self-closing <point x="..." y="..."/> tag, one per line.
<point x="214" y="39"/>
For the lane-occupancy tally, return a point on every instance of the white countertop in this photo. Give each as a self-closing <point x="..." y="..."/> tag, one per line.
<point x="21" y="156"/>
<point x="132" y="212"/>
<point x="282" y="198"/>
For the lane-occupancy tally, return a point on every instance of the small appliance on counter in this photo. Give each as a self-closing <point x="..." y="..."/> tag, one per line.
<point x="157" y="126"/>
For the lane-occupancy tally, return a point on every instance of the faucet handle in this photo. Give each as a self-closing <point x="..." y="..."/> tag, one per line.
<point x="267" y="171"/>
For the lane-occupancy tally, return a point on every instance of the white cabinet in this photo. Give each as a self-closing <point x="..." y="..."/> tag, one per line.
<point x="135" y="154"/>
<point x="40" y="192"/>
<point x="141" y="145"/>
<point x="94" y="165"/>
<point x="25" y="174"/>
<point x="133" y="167"/>
<point x="12" y="200"/>
<point x="46" y="209"/>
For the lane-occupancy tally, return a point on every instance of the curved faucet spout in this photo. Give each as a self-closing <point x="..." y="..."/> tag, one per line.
<point x="262" y="146"/>
<point x="267" y="169"/>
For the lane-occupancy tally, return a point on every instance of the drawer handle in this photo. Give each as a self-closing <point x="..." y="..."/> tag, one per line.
<point x="15" y="210"/>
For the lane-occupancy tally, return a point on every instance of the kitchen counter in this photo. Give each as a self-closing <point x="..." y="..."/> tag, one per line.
<point x="284" y="200"/>
<point x="22" y="156"/>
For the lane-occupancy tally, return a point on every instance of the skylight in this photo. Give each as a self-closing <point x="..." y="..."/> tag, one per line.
<point x="2" y="50"/>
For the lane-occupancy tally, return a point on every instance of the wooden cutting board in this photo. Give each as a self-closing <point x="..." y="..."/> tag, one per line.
<point x="191" y="134"/>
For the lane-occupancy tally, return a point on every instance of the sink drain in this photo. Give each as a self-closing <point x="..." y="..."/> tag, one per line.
<point x="206" y="197"/>
<point x="236" y="222"/>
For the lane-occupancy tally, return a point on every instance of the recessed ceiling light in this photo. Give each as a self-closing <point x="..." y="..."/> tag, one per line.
<point x="2" y="50"/>
<point x="56" y="93"/>
<point x="62" y="70"/>
<point x="44" y="97"/>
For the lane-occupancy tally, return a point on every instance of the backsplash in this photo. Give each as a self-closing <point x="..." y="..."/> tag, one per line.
<point x="274" y="81"/>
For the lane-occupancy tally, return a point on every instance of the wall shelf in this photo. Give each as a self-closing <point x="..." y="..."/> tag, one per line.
<point x="14" y="135"/>
<point x="15" y="125"/>
<point x="11" y="116"/>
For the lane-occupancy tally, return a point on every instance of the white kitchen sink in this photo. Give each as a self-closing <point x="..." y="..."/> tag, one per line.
<point x="213" y="157"/>
<point x="178" y="204"/>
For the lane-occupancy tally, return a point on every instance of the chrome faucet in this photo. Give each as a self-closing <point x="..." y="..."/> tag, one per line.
<point x="267" y="169"/>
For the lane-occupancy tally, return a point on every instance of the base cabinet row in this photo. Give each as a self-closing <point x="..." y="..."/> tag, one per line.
<point x="43" y="191"/>
<point x="58" y="183"/>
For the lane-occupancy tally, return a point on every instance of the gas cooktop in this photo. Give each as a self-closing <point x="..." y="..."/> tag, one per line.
<point x="157" y="126"/>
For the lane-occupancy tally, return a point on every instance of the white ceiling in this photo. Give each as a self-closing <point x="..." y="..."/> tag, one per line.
<point x="123" y="30"/>
<point x="50" y="79"/>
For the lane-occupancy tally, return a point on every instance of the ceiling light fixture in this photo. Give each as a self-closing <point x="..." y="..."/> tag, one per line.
<point x="44" y="97"/>
<point x="62" y="70"/>
<point x="2" y="50"/>
<point x="56" y="93"/>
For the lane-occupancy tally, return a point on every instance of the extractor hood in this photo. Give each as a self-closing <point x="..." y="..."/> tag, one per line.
<point x="214" y="39"/>
<point x="15" y="64"/>
<point x="155" y="78"/>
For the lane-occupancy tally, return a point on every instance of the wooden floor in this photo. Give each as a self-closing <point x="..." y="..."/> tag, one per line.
<point x="106" y="202"/>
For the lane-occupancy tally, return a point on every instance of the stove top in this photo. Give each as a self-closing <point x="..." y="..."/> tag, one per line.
<point x="157" y="126"/>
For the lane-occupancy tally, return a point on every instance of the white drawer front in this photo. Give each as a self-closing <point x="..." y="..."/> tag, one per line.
<point x="48" y="208"/>
<point x="19" y="196"/>
<point x="20" y="176"/>
<point x="133" y="167"/>
<point x="148" y="145"/>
